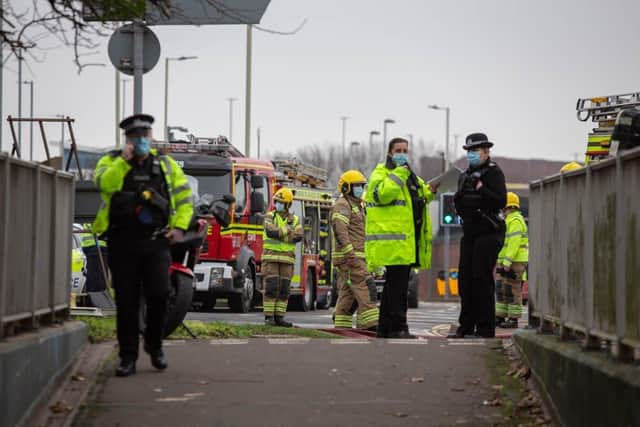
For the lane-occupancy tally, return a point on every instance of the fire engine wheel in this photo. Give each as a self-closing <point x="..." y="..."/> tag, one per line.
<point x="241" y="303"/>
<point x="305" y="302"/>
<point x="180" y="296"/>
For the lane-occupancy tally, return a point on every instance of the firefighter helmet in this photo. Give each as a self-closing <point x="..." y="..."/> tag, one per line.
<point x="349" y="178"/>
<point x="283" y="195"/>
<point x="513" y="201"/>
<point x="570" y="167"/>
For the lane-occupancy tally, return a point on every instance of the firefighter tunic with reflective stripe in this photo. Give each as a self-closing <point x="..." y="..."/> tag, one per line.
<point x="516" y="241"/>
<point x="281" y="232"/>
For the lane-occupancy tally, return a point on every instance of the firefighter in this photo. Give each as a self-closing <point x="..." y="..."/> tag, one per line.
<point x="95" y="276"/>
<point x="481" y="196"/>
<point x="347" y="223"/>
<point x="398" y="233"/>
<point x="512" y="264"/>
<point x="282" y="230"/>
<point x="146" y="206"/>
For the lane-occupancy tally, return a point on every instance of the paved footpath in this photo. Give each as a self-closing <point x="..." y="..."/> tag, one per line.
<point x="304" y="382"/>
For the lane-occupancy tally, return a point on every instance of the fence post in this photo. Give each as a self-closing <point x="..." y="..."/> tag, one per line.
<point x="35" y="255"/>
<point x="624" y="352"/>
<point x="52" y="252"/>
<point x="589" y="224"/>
<point x="4" y="244"/>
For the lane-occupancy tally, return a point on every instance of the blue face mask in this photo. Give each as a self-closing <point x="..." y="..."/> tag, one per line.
<point x="473" y="157"/>
<point x="358" y="191"/>
<point x="279" y="207"/>
<point x="142" y="146"/>
<point x="400" y="159"/>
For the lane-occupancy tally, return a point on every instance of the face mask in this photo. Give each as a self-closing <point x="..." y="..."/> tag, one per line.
<point x="400" y="159"/>
<point x="279" y="207"/>
<point x="142" y="146"/>
<point x="473" y="157"/>
<point x="358" y="191"/>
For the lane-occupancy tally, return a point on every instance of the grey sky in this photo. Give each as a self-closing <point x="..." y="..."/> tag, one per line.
<point x="511" y="68"/>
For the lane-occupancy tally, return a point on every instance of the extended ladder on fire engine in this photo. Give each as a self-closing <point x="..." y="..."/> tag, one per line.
<point x="603" y="110"/>
<point x="219" y="145"/>
<point x="294" y="171"/>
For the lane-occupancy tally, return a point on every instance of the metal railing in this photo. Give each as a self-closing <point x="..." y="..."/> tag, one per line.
<point x="36" y="214"/>
<point x="584" y="267"/>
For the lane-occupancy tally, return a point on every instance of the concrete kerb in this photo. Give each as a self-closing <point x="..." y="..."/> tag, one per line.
<point x="32" y="365"/>
<point x="582" y="388"/>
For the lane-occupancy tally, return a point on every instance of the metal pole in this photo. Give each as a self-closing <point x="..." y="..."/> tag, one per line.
<point x="455" y="146"/>
<point x="62" y="140"/>
<point x="447" y="244"/>
<point x="117" y="117"/>
<point x="384" y="140"/>
<point x="344" y="135"/>
<point x="166" y="98"/>
<point x="231" y="118"/>
<point x="20" y="98"/>
<point x="247" y="107"/>
<point x="124" y="98"/>
<point x="31" y="123"/>
<point x="447" y="141"/>
<point x="138" y="50"/>
<point x="1" y="75"/>
<point x="258" y="142"/>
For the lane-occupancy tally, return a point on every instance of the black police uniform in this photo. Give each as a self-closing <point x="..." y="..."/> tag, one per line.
<point x="139" y="253"/>
<point x="483" y="236"/>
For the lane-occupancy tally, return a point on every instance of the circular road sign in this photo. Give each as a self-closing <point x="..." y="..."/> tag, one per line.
<point x="121" y="49"/>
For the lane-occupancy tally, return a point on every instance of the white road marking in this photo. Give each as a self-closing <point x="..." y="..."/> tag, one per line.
<point x="288" y="340"/>
<point x="408" y="341"/>
<point x="350" y="341"/>
<point x="228" y="341"/>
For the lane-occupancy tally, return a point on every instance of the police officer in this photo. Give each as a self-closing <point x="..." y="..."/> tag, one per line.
<point x="146" y="206"/>
<point x="479" y="201"/>
<point x="282" y="230"/>
<point x="512" y="263"/>
<point x="347" y="222"/>
<point x="398" y="233"/>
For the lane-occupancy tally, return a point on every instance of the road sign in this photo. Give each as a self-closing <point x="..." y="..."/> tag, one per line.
<point x="179" y="12"/>
<point x="208" y="12"/>
<point x="121" y="52"/>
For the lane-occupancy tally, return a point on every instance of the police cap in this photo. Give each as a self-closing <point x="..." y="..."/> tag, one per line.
<point x="475" y="140"/>
<point x="136" y="124"/>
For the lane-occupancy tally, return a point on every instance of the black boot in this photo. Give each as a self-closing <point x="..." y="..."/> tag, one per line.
<point x="158" y="360"/>
<point x="281" y="322"/>
<point x="372" y="329"/>
<point x="499" y="320"/>
<point x="509" y="324"/>
<point x="403" y="334"/>
<point x="126" y="369"/>
<point x="269" y="321"/>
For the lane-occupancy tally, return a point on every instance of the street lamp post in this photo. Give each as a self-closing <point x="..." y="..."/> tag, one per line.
<point x="446" y="147"/>
<point x="371" y="134"/>
<point x="384" y="135"/>
<point x="344" y="135"/>
<point x="231" y="100"/>
<point x="455" y="146"/>
<point x="166" y="90"/>
<point x="124" y="96"/>
<point x="30" y="83"/>
<point x="352" y="148"/>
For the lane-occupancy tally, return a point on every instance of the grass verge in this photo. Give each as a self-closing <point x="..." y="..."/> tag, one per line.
<point x="104" y="329"/>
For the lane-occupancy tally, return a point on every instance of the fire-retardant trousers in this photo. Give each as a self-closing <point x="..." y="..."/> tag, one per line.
<point x="352" y="286"/>
<point x="509" y="293"/>
<point x="277" y="287"/>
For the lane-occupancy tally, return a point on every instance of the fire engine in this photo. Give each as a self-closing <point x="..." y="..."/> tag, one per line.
<point x="231" y="256"/>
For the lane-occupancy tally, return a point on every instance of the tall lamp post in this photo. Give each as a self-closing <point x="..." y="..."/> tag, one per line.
<point x="352" y="148"/>
<point x="231" y="100"/>
<point x="344" y="135"/>
<point x="30" y="83"/>
<point x="371" y="134"/>
<point x="384" y="134"/>
<point x="446" y="147"/>
<point x="166" y="90"/>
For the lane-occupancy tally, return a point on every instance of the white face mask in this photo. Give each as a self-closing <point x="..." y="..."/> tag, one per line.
<point x="279" y="207"/>
<point x="358" y="191"/>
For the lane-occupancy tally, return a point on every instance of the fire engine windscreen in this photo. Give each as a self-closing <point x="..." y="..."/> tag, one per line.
<point x="216" y="185"/>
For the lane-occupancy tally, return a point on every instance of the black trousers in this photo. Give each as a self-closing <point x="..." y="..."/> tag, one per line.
<point x="137" y="265"/>
<point x="393" y="303"/>
<point x="478" y="256"/>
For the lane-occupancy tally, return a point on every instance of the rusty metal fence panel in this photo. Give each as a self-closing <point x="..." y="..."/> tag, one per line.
<point x="584" y="264"/>
<point x="36" y="214"/>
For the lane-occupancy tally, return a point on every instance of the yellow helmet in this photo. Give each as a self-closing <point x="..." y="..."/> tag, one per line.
<point x="283" y="195"/>
<point x="570" y="167"/>
<point x="349" y="178"/>
<point x="513" y="201"/>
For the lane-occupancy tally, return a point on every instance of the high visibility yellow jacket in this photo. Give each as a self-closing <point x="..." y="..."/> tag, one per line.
<point x="282" y="230"/>
<point x="347" y="224"/>
<point x="516" y="241"/>
<point x="109" y="176"/>
<point x="390" y="233"/>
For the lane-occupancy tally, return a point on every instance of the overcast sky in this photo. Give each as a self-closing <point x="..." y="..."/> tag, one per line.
<point x="513" y="69"/>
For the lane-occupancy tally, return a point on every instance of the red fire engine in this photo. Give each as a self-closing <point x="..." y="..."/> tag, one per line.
<point x="231" y="256"/>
